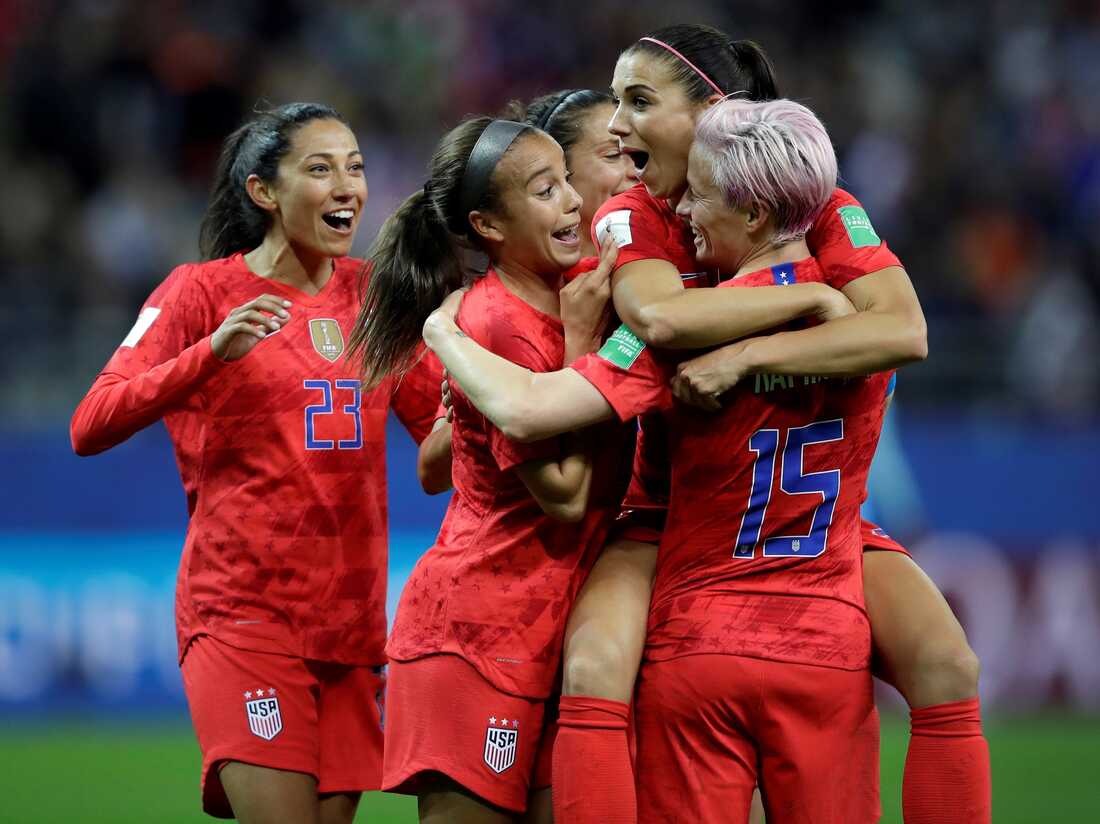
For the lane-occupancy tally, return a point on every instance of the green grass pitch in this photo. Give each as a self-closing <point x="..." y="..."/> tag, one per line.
<point x="1044" y="769"/>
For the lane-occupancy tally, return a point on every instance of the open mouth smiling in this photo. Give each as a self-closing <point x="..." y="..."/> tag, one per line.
<point x="340" y="219"/>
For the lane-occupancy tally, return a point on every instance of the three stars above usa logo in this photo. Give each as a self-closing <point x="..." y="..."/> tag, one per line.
<point x="501" y="740"/>
<point x="264" y="717"/>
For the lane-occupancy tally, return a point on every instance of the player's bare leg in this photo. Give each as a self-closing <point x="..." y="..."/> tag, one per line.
<point x="606" y="630"/>
<point x="261" y="795"/>
<point x="339" y="808"/>
<point x="540" y="809"/>
<point x="445" y="802"/>
<point x="921" y="648"/>
<point x="593" y="775"/>
<point x="922" y="651"/>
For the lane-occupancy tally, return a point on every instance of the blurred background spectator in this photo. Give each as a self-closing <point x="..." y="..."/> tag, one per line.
<point x="970" y="131"/>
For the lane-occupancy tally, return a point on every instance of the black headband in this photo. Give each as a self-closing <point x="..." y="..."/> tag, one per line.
<point x="489" y="149"/>
<point x="550" y="111"/>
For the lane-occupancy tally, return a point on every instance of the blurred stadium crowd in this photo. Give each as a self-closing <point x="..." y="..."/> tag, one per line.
<point x="969" y="130"/>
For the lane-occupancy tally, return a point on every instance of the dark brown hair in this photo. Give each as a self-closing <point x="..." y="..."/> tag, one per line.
<point x="733" y="65"/>
<point x="559" y="114"/>
<point x="414" y="262"/>
<point x="233" y="223"/>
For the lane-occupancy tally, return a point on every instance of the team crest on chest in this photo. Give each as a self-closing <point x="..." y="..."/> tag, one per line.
<point x="501" y="739"/>
<point x="262" y="708"/>
<point x="327" y="338"/>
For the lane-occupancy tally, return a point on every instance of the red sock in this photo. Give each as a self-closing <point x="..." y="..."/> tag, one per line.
<point x="947" y="778"/>
<point x="593" y="776"/>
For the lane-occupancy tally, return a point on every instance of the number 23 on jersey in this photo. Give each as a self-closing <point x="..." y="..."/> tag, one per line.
<point x="347" y="394"/>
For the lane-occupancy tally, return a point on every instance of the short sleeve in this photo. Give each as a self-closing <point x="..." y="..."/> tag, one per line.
<point x="629" y="376"/>
<point x="845" y="242"/>
<point x="639" y="229"/>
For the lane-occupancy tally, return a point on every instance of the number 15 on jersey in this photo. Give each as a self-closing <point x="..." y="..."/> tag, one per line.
<point x="792" y="481"/>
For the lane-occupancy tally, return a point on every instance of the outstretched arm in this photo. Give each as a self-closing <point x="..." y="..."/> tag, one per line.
<point x="887" y="331"/>
<point x="524" y="405"/>
<point x="650" y="299"/>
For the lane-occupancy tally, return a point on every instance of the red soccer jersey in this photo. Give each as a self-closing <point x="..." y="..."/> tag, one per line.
<point x="282" y="457"/>
<point x="646" y="228"/>
<point x="498" y="585"/>
<point x="762" y="551"/>
<point x="841" y="239"/>
<point x="844" y="242"/>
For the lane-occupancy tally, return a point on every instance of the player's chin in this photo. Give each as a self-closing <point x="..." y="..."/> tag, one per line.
<point x="655" y="182"/>
<point x="340" y="246"/>
<point x="566" y="258"/>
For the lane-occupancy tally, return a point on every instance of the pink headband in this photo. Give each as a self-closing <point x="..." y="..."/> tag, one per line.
<point x="693" y="67"/>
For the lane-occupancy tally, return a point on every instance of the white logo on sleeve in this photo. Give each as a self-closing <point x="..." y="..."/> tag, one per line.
<point x="501" y="739"/>
<point x="264" y="718"/>
<point x="144" y="321"/>
<point x="618" y="223"/>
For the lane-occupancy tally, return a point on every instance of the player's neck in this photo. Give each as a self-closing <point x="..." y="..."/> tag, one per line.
<point x="767" y="255"/>
<point x="276" y="259"/>
<point x="588" y="248"/>
<point x="531" y="287"/>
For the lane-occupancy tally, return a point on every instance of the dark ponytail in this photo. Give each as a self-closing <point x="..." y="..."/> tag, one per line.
<point x="734" y="66"/>
<point x="233" y="223"/>
<point x="757" y="75"/>
<point x="415" y="261"/>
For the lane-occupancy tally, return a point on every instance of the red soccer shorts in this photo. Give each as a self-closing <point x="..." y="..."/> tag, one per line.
<point x="875" y="539"/>
<point x="444" y="717"/>
<point x="709" y="727"/>
<point x="542" y="775"/>
<point x="286" y="713"/>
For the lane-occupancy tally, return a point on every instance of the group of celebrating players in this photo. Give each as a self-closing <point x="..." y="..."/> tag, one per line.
<point x="652" y="592"/>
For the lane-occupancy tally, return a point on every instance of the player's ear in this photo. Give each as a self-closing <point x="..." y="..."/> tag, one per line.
<point x="756" y="216"/>
<point x="261" y="193"/>
<point x="486" y="226"/>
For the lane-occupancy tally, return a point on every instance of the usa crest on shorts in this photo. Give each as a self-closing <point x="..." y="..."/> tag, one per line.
<point x="501" y="739"/>
<point x="264" y="718"/>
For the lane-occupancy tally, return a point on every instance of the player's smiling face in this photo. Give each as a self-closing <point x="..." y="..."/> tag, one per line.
<point x="722" y="239"/>
<point x="537" y="224"/>
<point x="600" y="168"/>
<point x="320" y="189"/>
<point x="655" y="121"/>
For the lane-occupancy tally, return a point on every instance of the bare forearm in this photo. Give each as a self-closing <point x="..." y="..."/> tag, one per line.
<point x="567" y="483"/>
<point x="433" y="463"/>
<point x="858" y="344"/>
<point x="496" y="386"/>
<point x="697" y="318"/>
<point x="524" y="405"/>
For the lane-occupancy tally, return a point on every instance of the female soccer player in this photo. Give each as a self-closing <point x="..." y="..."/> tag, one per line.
<point x="280" y="605"/>
<point x="476" y="642"/>
<point x="663" y="82"/>
<point x="753" y="641"/>
<point x="577" y="119"/>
